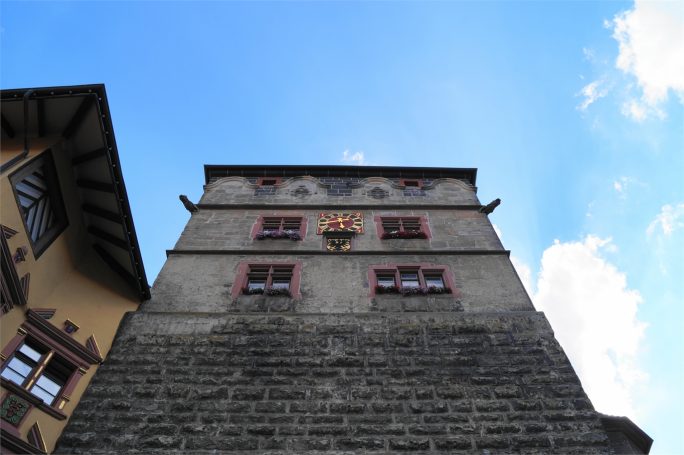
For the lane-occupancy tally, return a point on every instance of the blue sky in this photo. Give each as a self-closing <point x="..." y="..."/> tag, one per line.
<point x="571" y="111"/>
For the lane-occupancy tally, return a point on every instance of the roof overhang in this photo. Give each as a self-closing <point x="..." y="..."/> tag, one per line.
<point x="80" y="115"/>
<point x="213" y="171"/>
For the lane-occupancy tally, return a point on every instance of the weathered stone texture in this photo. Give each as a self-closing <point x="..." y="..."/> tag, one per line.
<point x="336" y="284"/>
<point x="355" y="383"/>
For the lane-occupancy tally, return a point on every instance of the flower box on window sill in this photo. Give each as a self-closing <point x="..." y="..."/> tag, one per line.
<point x="407" y="291"/>
<point x="404" y="235"/>
<point x="286" y="234"/>
<point x="270" y="292"/>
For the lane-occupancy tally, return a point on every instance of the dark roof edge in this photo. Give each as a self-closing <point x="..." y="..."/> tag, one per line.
<point x="631" y="430"/>
<point x="218" y="170"/>
<point x="113" y="156"/>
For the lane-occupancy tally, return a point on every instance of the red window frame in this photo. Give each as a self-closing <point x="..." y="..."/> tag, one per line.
<point x="422" y="269"/>
<point x="241" y="277"/>
<point x="55" y="342"/>
<point x="275" y="180"/>
<point x="424" y="227"/>
<point x="259" y="224"/>
<point x="412" y="183"/>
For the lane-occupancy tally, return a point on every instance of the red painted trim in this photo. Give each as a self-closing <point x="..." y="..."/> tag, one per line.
<point x="240" y="281"/>
<point x="8" y="427"/>
<point x="260" y="222"/>
<point x="37" y="402"/>
<point x="70" y="384"/>
<point x="8" y="351"/>
<point x="57" y="338"/>
<point x="424" y="225"/>
<point x="421" y="267"/>
<point x="260" y="180"/>
<point x="403" y="182"/>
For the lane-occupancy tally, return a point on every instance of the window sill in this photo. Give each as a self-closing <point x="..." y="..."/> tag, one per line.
<point x="37" y="402"/>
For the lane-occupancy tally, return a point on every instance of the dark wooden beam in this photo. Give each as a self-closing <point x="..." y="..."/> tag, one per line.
<point x="107" y="237"/>
<point x="78" y="117"/>
<point x="102" y="213"/>
<point x="41" y="117"/>
<point x="7" y="126"/>
<point x="89" y="156"/>
<point x="97" y="186"/>
<point x="118" y="268"/>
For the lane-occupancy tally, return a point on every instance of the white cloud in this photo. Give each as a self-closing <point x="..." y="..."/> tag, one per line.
<point x="524" y="272"/>
<point x="651" y="48"/>
<point x="668" y="220"/>
<point x="591" y="92"/>
<point x="622" y="184"/>
<point x="356" y="158"/>
<point x="594" y="316"/>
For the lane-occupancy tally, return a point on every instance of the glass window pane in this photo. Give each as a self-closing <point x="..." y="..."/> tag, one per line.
<point x="30" y="352"/>
<point x="386" y="280"/>
<point x="435" y="281"/>
<point x="49" y="384"/>
<point x="409" y="280"/>
<point x="12" y="375"/>
<point x="280" y="284"/>
<point x="42" y="394"/>
<point x="20" y="366"/>
<point x="256" y="284"/>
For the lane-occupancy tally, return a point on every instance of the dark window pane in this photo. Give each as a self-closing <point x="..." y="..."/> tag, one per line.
<point x="409" y="280"/>
<point x="386" y="280"/>
<point x="434" y="280"/>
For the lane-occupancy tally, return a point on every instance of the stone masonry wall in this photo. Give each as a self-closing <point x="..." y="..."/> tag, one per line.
<point x="364" y="383"/>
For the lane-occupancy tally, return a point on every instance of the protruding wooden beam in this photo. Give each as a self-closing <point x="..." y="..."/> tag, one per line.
<point x="118" y="268"/>
<point x="7" y="126"/>
<point x="97" y="186"/>
<point x="107" y="237"/>
<point x="102" y="213"/>
<point x="88" y="156"/>
<point x="78" y="117"/>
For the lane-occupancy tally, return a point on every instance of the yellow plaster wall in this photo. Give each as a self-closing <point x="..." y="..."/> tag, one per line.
<point x="69" y="277"/>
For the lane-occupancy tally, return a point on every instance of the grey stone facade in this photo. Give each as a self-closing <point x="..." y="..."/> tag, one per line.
<point x="202" y="368"/>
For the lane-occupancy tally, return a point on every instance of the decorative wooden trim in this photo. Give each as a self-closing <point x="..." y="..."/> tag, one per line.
<point x="35" y="437"/>
<point x="240" y="281"/>
<point x="13" y="289"/>
<point x="59" y="340"/>
<point x="41" y="167"/>
<point x="24" y="282"/>
<point x="7" y="232"/>
<point x="91" y="343"/>
<point x="71" y="327"/>
<point x="37" y="402"/>
<point x="14" y="444"/>
<point x="45" y="313"/>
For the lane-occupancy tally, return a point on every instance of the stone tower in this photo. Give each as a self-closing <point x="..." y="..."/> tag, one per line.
<point x="340" y="310"/>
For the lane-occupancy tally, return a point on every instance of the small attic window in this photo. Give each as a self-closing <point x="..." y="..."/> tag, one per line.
<point x="36" y="190"/>
<point x="415" y="183"/>
<point x="268" y="181"/>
